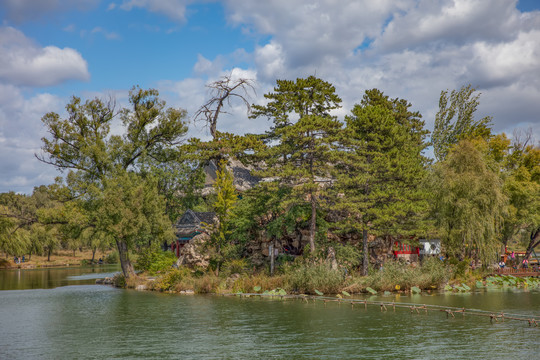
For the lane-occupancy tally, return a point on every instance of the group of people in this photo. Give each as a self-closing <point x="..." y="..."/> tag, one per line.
<point x="18" y="259"/>
<point x="513" y="261"/>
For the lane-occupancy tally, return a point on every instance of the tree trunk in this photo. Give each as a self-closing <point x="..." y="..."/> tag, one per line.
<point x="313" y="226"/>
<point x="365" y="253"/>
<point x="125" y="263"/>
<point x="93" y="254"/>
<point x="271" y="252"/>
<point x="534" y="242"/>
<point x="49" y="250"/>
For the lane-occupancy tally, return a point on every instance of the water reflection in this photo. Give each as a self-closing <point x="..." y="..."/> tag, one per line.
<point x="47" y="278"/>
<point x="91" y="321"/>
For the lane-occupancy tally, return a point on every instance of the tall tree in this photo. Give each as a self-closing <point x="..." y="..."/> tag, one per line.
<point x="299" y="152"/>
<point x="520" y="161"/>
<point x="226" y="198"/>
<point x="382" y="168"/>
<point x="468" y="202"/>
<point x="98" y="162"/>
<point x="455" y="120"/>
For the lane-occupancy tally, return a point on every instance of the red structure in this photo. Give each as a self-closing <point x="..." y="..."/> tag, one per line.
<point x="404" y="249"/>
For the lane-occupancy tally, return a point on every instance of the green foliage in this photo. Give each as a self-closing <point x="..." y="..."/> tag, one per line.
<point x="298" y="152"/>
<point x="455" y="120"/>
<point x="112" y="258"/>
<point x="119" y="280"/>
<point x="509" y="281"/>
<point x="306" y="278"/>
<point x="468" y="203"/>
<point x="520" y="163"/>
<point x="460" y="267"/>
<point x="185" y="177"/>
<point x="348" y="255"/>
<point x="104" y="180"/>
<point x="371" y="290"/>
<point x="381" y="173"/>
<point x="171" y="279"/>
<point x="226" y="198"/>
<point x="207" y="284"/>
<point x="155" y="260"/>
<point x="432" y="274"/>
<point x="236" y="266"/>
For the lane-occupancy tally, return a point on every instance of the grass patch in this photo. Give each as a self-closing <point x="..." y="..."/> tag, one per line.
<point x="432" y="274"/>
<point x="306" y="278"/>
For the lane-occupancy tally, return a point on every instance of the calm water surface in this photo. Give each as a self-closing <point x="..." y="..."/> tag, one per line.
<point x="101" y="322"/>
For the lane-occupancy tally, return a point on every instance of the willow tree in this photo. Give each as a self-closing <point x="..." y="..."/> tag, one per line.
<point x="302" y="141"/>
<point x="468" y="202"/>
<point x="455" y="120"/>
<point x="103" y="169"/>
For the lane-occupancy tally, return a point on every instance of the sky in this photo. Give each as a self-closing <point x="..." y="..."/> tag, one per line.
<point x="51" y="50"/>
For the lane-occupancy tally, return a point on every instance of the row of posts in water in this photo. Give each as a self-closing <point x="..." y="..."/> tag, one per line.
<point x="414" y="308"/>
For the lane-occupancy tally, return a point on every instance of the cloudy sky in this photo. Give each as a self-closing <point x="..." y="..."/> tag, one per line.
<point x="412" y="49"/>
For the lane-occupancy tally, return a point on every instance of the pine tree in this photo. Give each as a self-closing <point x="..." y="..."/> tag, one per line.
<point x="301" y="143"/>
<point x="381" y="168"/>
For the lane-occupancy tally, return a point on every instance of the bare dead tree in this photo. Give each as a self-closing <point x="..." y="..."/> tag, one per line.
<point x="522" y="138"/>
<point x="222" y="93"/>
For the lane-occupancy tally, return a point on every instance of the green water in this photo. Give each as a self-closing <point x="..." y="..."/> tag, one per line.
<point x="47" y="278"/>
<point x="101" y="322"/>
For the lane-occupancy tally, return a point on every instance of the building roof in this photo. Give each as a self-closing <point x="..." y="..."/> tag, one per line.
<point x="243" y="180"/>
<point x="191" y="221"/>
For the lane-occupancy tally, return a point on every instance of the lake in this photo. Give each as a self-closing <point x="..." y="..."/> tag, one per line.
<point x="69" y="319"/>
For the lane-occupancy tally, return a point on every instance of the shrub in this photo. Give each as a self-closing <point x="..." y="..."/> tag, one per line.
<point x="435" y="272"/>
<point x="171" y="279"/>
<point x="119" y="280"/>
<point x="306" y="278"/>
<point x="206" y="284"/>
<point x="432" y="273"/>
<point x="348" y="255"/>
<point x="112" y="258"/>
<point x="155" y="260"/>
<point x="235" y="266"/>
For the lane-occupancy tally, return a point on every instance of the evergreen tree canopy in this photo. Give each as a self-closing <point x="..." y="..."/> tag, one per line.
<point x="303" y="140"/>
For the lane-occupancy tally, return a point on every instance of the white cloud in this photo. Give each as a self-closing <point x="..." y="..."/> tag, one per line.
<point x="174" y="9"/>
<point x="26" y="63"/>
<point x="450" y="22"/>
<point x="204" y="66"/>
<point x="410" y="49"/>
<point x="270" y="61"/>
<point x="109" y="35"/>
<point x="20" y="134"/>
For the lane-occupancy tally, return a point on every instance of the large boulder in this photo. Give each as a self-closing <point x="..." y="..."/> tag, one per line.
<point x="194" y="254"/>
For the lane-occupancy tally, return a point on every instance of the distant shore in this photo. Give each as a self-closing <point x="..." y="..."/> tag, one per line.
<point x="62" y="258"/>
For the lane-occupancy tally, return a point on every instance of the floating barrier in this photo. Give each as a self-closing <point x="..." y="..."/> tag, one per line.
<point x="414" y="308"/>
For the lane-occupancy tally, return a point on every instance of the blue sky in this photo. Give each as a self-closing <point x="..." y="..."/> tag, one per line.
<point x="412" y="49"/>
